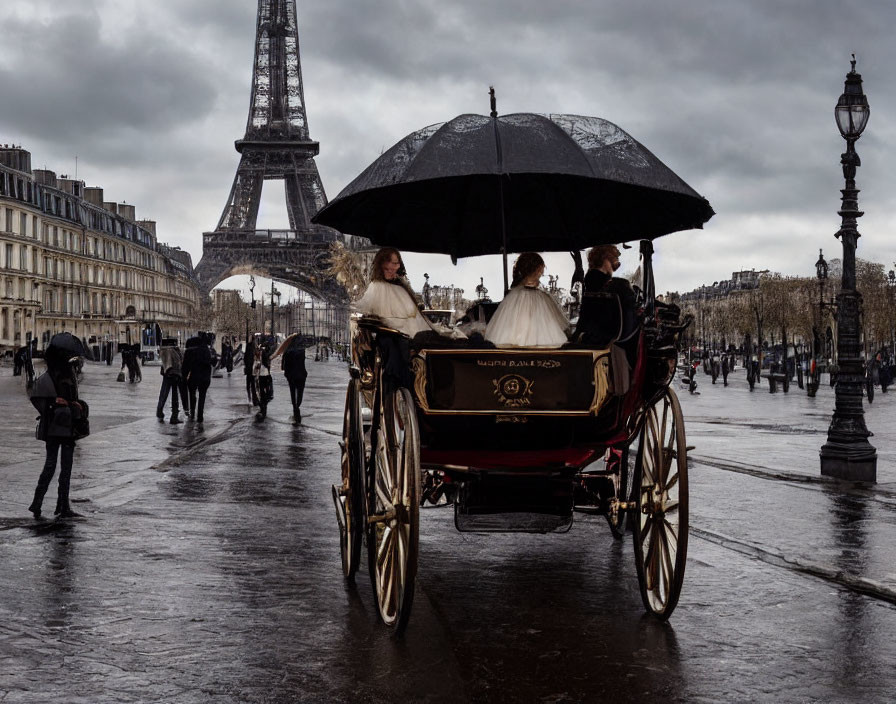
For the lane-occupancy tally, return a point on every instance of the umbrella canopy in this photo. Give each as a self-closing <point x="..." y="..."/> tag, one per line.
<point x="62" y="347"/>
<point x="552" y="182"/>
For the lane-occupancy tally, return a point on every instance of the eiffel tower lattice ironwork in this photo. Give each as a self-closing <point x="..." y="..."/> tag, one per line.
<point x="276" y="146"/>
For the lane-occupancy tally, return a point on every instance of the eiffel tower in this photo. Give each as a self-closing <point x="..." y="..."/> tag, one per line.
<point x="277" y="145"/>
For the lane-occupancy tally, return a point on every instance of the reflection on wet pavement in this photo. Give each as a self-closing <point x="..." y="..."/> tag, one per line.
<point x="206" y="569"/>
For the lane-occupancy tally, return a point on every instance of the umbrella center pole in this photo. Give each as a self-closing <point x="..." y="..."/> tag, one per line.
<point x="503" y="231"/>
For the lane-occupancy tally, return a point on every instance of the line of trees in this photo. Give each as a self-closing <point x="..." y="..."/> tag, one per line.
<point x="786" y="309"/>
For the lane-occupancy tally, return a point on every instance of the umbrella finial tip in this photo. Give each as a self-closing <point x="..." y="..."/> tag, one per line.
<point x="494" y="104"/>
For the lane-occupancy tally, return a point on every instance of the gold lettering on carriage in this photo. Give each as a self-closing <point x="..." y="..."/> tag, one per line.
<point x="513" y="390"/>
<point x="516" y="363"/>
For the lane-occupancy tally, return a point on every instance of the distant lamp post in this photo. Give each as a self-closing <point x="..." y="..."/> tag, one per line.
<point x="891" y="290"/>
<point x="847" y="454"/>
<point x="275" y="293"/>
<point x="252" y="306"/>
<point x="814" y="372"/>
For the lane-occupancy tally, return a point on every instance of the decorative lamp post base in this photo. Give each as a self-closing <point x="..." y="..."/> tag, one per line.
<point x="856" y="463"/>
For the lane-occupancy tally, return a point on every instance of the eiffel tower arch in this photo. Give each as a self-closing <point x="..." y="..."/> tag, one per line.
<point x="276" y="146"/>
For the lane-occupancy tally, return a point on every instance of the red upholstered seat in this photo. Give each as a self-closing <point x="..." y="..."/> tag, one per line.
<point x="570" y="457"/>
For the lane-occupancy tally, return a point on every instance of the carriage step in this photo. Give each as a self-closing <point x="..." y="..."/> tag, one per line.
<point x="515" y="522"/>
<point x="496" y="503"/>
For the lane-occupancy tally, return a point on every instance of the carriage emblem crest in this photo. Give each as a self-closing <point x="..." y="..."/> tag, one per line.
<point x="513" y="390"/>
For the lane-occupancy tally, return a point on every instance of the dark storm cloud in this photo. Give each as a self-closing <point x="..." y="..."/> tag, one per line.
<point x="80" y="88"/>
<point x="737" y="97"/>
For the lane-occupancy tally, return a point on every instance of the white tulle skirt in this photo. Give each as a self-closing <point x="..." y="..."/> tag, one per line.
<point x="527" y="317"/>
<point x="394" y="305"/>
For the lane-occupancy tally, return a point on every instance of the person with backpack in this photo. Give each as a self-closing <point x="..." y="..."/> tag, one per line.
<point x="62" y="420"/>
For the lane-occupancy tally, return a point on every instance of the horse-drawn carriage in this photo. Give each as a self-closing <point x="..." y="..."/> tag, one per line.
<point x="519" y="438"/>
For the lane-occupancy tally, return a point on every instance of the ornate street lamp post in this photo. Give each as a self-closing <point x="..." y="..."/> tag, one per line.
<point x="847" y="454"/>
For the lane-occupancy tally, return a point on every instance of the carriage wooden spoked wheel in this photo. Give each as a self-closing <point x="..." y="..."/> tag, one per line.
<point x="393" y="506"/>
<point x="349" y="496"/>
<point x="661" y="508"/>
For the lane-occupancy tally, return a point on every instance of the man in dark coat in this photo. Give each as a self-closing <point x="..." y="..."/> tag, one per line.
<point x="248" y="361"/>
<point x="226" y="361"/>
<point x="197" y="370"/>
<point x="725" y="369"/>
<point x="18" y="361"/>
<point x="293" y="365"/>
<point x="608" y="312"/>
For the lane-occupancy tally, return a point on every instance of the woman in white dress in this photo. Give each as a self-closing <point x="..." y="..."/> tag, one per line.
<point x="389" y="295"/>
<point x="528" y="316"/>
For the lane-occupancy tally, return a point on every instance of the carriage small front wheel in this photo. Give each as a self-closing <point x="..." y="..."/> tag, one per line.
<point x="661" y="510"/>
<point x="393" y="507"/>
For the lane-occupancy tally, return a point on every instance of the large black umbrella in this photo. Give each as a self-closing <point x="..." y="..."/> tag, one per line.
<point x="63" y="346"/>
<point x="479" y="185"/>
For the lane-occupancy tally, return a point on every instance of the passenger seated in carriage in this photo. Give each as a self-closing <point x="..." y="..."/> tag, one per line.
<point x="389" y="295"/>
<point x="528" y="316"/>
<point x="608" y="313"/>
<point x="390" y="298"/>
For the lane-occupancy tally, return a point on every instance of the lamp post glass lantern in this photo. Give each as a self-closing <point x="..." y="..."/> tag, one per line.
<point x="847" y="454"/>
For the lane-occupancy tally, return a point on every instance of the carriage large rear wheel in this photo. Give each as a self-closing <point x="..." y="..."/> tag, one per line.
<point x="349" y="496"/>
<point x="393" y="507"/>
<point x="661" y="495"/>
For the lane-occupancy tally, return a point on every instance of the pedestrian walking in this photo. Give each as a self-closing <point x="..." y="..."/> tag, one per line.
<point x="129" y="361"/>
<point x="226" y="355"/>
<point x="692" y="382"/>
<point x="197" y="370"/>
<point x="886" y="377"/>
<point x="18" y="361"/>
<point x="264" y="382"/>
<point x="725" y="369"/>
<point x="248" y="362"/>
<point x="62" y="420"/>
<point x="293" y="365"/>
<point x="22" y="365"/>
<point x="172" y="372"/>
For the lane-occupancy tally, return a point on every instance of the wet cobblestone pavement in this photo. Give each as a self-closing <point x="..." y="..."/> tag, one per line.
<point x="206" y="569"/>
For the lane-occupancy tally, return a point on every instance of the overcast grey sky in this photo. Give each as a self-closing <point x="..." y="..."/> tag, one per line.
<point x="735" y="96"/>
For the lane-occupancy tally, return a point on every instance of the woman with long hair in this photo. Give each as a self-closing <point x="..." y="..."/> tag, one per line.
<point x="389" y="295"/>
<point x="528" y="316"/>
